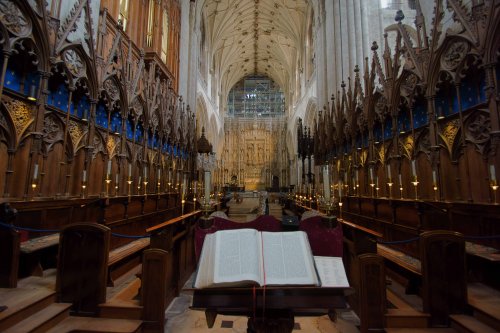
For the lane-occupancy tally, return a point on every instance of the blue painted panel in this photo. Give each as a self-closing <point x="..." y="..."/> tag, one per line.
<point x="468" y="93"/>
<point x="59" y="98"/>
<point x="82" y="107"/>
<point x="32" y="79"/>
<point x="13" y="78"/>
<point x="442" y="104"/>
<point x="101" y="116"/>
<point x="404" y="121"/>
<point x="116" y="122"/>
<point x="420" y="115"/>
<point x="388" y="128"/>
<point x="139" y="133"/>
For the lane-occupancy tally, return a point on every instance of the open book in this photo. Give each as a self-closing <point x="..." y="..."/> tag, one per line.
<point x="248" y="257"/>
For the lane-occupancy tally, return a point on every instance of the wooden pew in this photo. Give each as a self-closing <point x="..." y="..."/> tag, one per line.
<point x="82" y="267"/>
<point x="176" y="237"/>
<point x="9" y="248"/>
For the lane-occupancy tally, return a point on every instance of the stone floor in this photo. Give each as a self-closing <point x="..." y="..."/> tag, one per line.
<point x="180" y="319"/>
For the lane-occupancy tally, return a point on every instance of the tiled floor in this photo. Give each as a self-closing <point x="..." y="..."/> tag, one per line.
<point x="180" y="319"/>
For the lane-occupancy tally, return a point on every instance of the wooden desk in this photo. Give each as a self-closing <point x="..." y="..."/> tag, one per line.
<point x="278" y="310"/>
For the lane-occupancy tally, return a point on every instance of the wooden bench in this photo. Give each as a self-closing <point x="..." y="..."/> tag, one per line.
<point x="33" y="250"/>
<point x="403" y="265"/>
<point x="124" y="258"/>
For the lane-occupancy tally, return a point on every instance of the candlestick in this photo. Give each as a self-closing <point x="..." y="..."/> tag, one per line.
<point x="494" y="187"/>
<point x="400" y="181"/>
<point x="35" y="172"/>
<point x="413" y="168"/>
<point x="434" y="178"/>
<point x="129" y="182"/>
<point x="129" y="170"/>
<point x="389" y="171"/>
<point x="108" y="181"/>
<point x="207" y="187"/>
<point x="108" y="173"/>
<point x="84" y="176"/>
<point x="145" y="172"/>
<point x="493" y="176"/>
<point x="415" y="184"/>
<point x="145" y="187"/>
<point x="371" y="174"/>
<point x="326" y="183"/>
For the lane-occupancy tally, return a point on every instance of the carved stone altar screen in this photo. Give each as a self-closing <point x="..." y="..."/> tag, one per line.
<point x="255" y="152"/>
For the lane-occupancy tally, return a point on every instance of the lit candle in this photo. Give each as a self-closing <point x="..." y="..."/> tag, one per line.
<point x="371" y="175"/>
<point x="109" y="168"/>
<point x="388" y="171"/>
<point x="207" y="187"/>
<point x="400" y="181"/>
<point x="357" y="176"/>
<point x="84" y="178"/>
<point x="116" y="179"/>
<point x="159" y="174"/>
<point x="145" y="172"/>
<point x="493" y="176"/>
<point x="195" y="187"/>
<point x="35" y="172"/>
<point x="377" y="181"/>
<point x="129" y="170"/>
<point x="340" y="189"/>
<point x="184" y="185"/>
<point x="326" y="183"/>
<point x="434" y="177"/>
<point x="140" y="178"/>
<point x="413" y="168"/>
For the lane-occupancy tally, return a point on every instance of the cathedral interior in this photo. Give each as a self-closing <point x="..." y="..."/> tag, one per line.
<point x="131" y="129"/>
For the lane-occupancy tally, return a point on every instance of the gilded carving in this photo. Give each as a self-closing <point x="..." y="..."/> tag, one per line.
<point x="110" y="145"/>
<point x="449" y="133"/>
<point x="76" y="133"/>
<point x="13" y="19"/>
<point x="20" y="114"/>
<point x="381" y="154"/>
<point x="74" y="63"/>
<point x="363" y="157"/>
<point x="406" y="146"/>
<point x="454" y="54"/>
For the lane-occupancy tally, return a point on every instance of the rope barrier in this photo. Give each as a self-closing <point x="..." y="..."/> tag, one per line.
<point x="129" y="236"/>
<point x="405" y="241"/>
<point x="11" y="226"/>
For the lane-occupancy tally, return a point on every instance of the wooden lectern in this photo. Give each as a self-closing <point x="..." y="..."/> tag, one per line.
<point x="270" y="309"/>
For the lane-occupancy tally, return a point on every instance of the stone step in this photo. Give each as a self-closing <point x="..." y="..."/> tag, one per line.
<point x="485" y="302"/>
<point x="42" y="320"/>
<point x="22" y="303"/>
<point x="469" y="324"/>
<point x="103" y="325"/>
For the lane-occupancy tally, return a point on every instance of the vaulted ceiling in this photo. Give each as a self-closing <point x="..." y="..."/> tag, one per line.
<point x="261" y="37"/>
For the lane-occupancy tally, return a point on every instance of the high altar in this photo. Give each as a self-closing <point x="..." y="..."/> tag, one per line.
<point x="255" y="154"/>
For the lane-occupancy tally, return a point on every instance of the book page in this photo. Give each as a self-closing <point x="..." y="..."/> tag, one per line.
<point x="237" y="256"/>
<point x="331" y="271"/>
<point x="204" y="276"/>
<point x="288" y="259"/>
